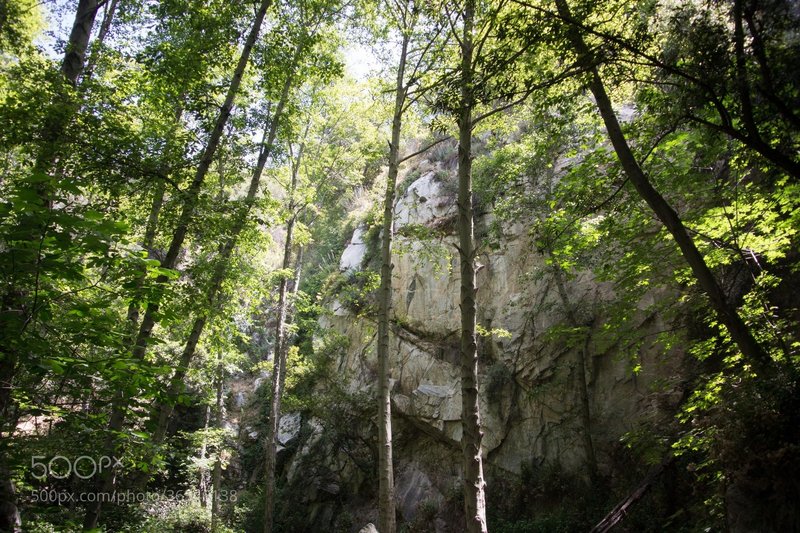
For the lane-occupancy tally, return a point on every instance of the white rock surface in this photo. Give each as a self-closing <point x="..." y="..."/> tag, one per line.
<point x="425" y="201"/>
<point x="354" y="252"/>
<point x="289" y="428"/>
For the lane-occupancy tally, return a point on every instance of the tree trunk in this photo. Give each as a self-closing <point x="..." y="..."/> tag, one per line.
<point x="105" y="27"/>
<point x="622" y="509"/>
<point x="193" y="191"/>
<point x="75" y="56"/>
<point x="216" y="477"/>
<point x="216" y="483"/>
<point x="9" y="513"/>
<point x="753" y="137"/>
<point x="132" y="316"/>
<point x="386" y="508"/>
<point x="767" y="86"/>
<point x="742" y="81"/>
<point x="725" y="311"/>
<point x="474" y="484"/>
<point x="65" y="105"/>
<point x="151" y="228"/>
<point x="279" y="361"/>
<point x="202" y="475"/>
<point x="117" y="420"/>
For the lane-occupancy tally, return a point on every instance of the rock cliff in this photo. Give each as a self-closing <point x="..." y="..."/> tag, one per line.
<point x="530" y="391"/>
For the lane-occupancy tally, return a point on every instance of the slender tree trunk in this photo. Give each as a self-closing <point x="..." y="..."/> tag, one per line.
<point x="279" y="361"/>
<point x="216" y="476"/>
<point x="753" y="137"/>
<point x="65" y="105"/>
<point x="105" y="27"/>
<point x="151" y="226"/>
<point x="216" y="483"/>
<point x="202" y="475"/>
<point x="163" y="411"/>
<point x="11" y="324"/>
<point x="193" y="192"/>
<point x="581" y="357"/>
<point x="742" y="79"/>
<point x="106" y="480"/>
<point x="147" y="243"/>
<point x="474" y="484"/>
<point x="108" y="17"/>
<point x="386" y="508"/>
<point x="767" y="151"/>
<point x="726" y="312"/>
<point x="10" y="520"/>
<point x="767" y="86"/>
<point x="298" y="270"/>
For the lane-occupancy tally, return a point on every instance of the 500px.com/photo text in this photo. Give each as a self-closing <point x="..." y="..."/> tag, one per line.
<point x="63" y="497"/>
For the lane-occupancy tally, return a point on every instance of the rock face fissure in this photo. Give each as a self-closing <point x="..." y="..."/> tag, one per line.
<point x="529" y="400"/>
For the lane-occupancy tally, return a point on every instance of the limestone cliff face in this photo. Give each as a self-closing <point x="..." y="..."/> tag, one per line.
<point x="529" y="394"/>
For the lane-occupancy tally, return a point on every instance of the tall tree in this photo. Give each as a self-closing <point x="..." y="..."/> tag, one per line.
<point x="386" y="510"/>
<point x="219" y="420"/>
<point x="747" y="95"/>
<point x="13" y="308"/>
<point x="75" y="56"/>
<point x="116" y="422"/>
<point x="580" y="369"/>
<point x="280" y="349"/>
<point x="474" y="484"/>
<point x="412" y="65"/>
<point x="724" y="309"/>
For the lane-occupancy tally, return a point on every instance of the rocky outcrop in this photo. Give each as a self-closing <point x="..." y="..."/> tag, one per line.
<point x="528" y="388"/>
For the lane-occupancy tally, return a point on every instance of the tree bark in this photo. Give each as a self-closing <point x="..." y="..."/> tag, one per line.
<point x="742" y="80"/>
<point x="216" y="476"/>
<point x="474" y="484"/>
<point x="216" y="483"/>
<point x="105" y="27"/>
<point x="10" y="520"/>
<point x="621" y="510"/>
<point x="768" y="86"/>
<point x="75" y="57"/>
<point x="193" y="191"/>
<point x="151" y="227"/>
<point x="386" y="507"/>
<point x="65" y="106"/>
<point x="726" y="313"/>
<point x="202" y="474"/>
<point x="105" y="482"/>
<point x="279" y="361"/>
